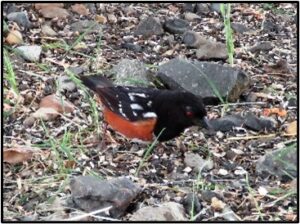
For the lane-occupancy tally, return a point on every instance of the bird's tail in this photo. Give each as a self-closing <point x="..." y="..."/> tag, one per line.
<point x="95" y="82"/>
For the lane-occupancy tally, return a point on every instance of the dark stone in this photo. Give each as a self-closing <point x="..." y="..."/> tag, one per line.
<point x="191" y="39"/>
<point x="176" y="26"/>
<point x="192" y="76"/>
<point x="189" y="7"/>
<point x="250" y="121"/>
<point x="281" y="162"/>
<point x="148" y="27"/>
<point x="82" y="26"/>
<point x="293" y="102"/>
<point x="226" y="123"/>
<point x="215" y="7"/>
<point x="258" y="124"/>
<point x="207" y="195"/>
<point x="239" y="27"/>
<point x="269" y="24"/>
<point x="202" y="8"/>
<point x="262" y="46"/>
<point x="132" y="47"/>
<point x="191" y="203"/>
<point x="20" y="18"/>
<point x="90" y="193"/>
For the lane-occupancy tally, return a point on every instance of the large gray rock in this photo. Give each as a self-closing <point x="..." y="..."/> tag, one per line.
<point x="89" y="194"/>
<point x="130" y="73"/>
<point x="197" y="162"/>
<point x="281" y="162"/>
<point x="30" y="53"/>
<point x="148" y="27"/>
<point x="169" y="211"/>
<point x="20" y="18"/>
<point x="82" y="26"/>
<point x="193" y="76"/>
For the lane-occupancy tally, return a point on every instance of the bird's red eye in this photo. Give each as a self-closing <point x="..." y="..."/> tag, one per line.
<point x="189" y="113"/>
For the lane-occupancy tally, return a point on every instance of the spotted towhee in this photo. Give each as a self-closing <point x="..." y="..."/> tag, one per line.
<point x="142" y="113"/>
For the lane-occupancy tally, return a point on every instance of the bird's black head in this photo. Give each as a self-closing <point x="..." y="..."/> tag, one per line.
<point x="176" y="111"/>
<point x="193" y="109"/>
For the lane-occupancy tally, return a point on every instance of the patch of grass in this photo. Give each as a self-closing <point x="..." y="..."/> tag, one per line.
<point x="251" y="192"/>
<point x="275" y="9"/>
<point x="99" y="42"/>
<point x="43" y="66"/>
<point x="148" y="152"/>
<point x="201" y="185"/>
<point x="62" y="147"/>
<point x="9" y="73"/>
<point x="61" y="44"/>
<point x="225" y="11"/>
<point x="93" y="104"/>
<point x="192" y="215"/>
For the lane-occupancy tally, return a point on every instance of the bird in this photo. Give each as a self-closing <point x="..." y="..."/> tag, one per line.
<point x="143" y="113"/>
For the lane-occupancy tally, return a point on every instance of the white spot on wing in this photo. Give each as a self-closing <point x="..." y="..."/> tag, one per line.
<point x="140" y="95"/>
<point x="149" y="104"/>
<point x="132" y="98"/>
<point x="149" y="115"/>
<point x="121" y="110"/>
<point x="132" y="95"/>
<point x="134" y="113"/>
<point x="136" y="106"/>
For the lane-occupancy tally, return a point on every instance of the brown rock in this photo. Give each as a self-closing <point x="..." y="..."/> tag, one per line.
<point x="80" y="9"/>
<point x="51" y="12"/>
<point x="60" y="105"/>
<point x="14" y="37"/>
<point x="39" y="6"/>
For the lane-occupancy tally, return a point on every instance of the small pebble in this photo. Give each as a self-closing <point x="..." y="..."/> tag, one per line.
<point x="28" y="122"/>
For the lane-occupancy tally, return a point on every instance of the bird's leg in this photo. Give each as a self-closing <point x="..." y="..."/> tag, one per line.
<point x="102" y="144"/>
<point x="106" y="136"/>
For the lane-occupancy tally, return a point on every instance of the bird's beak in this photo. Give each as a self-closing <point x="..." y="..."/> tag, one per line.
<point x="204" y="122"/>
